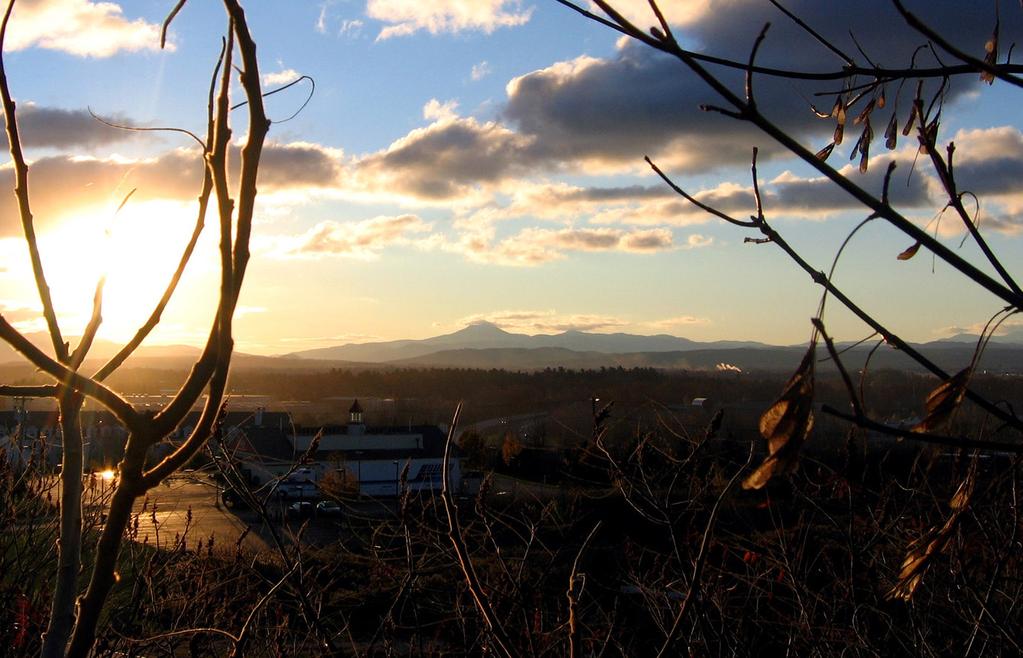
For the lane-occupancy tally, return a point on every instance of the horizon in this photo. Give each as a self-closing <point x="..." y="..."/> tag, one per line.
<point x="447" y="171"/>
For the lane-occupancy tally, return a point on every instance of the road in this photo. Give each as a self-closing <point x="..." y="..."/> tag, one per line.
<point x="190" y="501"/>
<point x="188" y="504"/>
<point x="502" y="422"/>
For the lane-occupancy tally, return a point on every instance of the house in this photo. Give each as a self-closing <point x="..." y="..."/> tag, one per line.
<point x="35" y="437"/>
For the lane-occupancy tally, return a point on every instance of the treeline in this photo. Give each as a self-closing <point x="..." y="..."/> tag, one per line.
<point x="431" y="393"/>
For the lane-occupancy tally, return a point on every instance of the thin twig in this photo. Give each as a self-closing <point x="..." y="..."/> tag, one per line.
<point x="479" y="595"/>
<point x="701" y="559"/>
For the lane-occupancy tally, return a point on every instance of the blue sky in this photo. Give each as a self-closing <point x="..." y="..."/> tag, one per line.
<point x="484" y="161"/>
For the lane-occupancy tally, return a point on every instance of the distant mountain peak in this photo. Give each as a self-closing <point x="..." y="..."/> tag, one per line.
<point x="482" y="327"/>
<point x="485" y="335"/>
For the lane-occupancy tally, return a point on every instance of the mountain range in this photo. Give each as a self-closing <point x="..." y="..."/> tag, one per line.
<point x="488" y="336"/>
<point x="485" y="345"/>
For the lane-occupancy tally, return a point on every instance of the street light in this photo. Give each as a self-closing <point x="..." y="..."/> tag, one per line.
<point x="358" y="456"/>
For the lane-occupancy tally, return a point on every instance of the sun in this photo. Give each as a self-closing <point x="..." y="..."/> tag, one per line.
<point x="135" y="250"/>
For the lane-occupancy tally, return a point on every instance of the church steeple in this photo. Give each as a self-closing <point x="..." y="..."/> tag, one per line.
<point x="355" y="424"/>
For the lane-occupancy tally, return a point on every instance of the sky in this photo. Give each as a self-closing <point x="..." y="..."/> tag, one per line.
<point x="468" y="161"/>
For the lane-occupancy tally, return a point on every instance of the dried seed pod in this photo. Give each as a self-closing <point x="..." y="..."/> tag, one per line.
<point x="891" y="133"/>
<point x="943" y="401"/>
<point x="786" y="424"/>
<point x="922" y="550"/>
<point x="909" y="252"/>
<point x="906" y="129"/>
<point x="865" y="139"/>
<point x="990" y="56"/>
<point x="865" y="113"/>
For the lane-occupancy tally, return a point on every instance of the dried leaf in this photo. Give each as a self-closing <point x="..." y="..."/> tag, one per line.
<point x="825" y="152"/>
<point x="839" y="133"/>
<point x="891" y="133"/>
<point x="921" y="551"/>
<point x="881" y="100"/>
<point x="786" y="424"/>
<point x="910" y="251"/>
<point x="943" y="401"/>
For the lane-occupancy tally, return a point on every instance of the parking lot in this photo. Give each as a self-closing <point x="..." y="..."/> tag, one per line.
<point x="189" y="501"/>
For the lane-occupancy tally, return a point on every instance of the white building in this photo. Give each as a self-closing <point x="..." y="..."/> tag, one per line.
<point x="367" y="460"/>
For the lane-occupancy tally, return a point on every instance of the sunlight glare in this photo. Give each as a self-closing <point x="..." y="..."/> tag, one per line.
<point x="137" y="251"/>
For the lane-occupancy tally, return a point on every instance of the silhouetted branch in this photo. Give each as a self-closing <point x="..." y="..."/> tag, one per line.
<point x="41" y="391"/>
<point x="124" y="411"/>
<point x="931" y="438"/>
<point x="978" y="65"/>
<point x="472" y="580"/>
<point x="746" y="112"/>
<point x="879" y="75"/>
<point x="701" y="559"/>
<point x="60" y="349"/>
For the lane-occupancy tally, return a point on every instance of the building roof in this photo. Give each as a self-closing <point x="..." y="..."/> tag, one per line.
<point x="267" y="442"/>
<point x="280" y="420"/>
<point x="47" y="419"/>
<point x="432" y="445"/>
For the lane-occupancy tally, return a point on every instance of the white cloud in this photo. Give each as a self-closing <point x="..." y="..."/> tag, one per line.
<point x="79" y="27"/>
<point x="52" y="127"/>
<point x="545" y="322"/>
<point x="363" y="239"/>
<point x="282" y="77"/>
<point x="677" y="13"/>
<point x="434" y="110"/>
<point x="669" y="324"/>
<point x="535" y="246"/>
<point x="446" y="160"/>
<point x="439" y="16"/>
<point x="321" y="18"/>
<point x="350" y="27"/>
<point x="697" y="241"/>
<point x="481" y="70"/>
<point x="62" y="182"/>
<point x="242" y="311"/>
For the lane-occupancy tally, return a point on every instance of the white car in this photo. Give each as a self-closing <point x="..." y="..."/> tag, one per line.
<point x="328" y="508"/>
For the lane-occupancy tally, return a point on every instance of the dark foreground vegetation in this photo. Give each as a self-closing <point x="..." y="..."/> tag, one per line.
<point x="645" y="545"/>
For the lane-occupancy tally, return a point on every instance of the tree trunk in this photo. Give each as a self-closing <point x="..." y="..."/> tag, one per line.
<point x="69" y="543"/>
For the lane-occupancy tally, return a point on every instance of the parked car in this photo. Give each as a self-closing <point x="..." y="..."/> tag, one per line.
<point x="300" y="510"/>
<point x="328" y="508"/>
